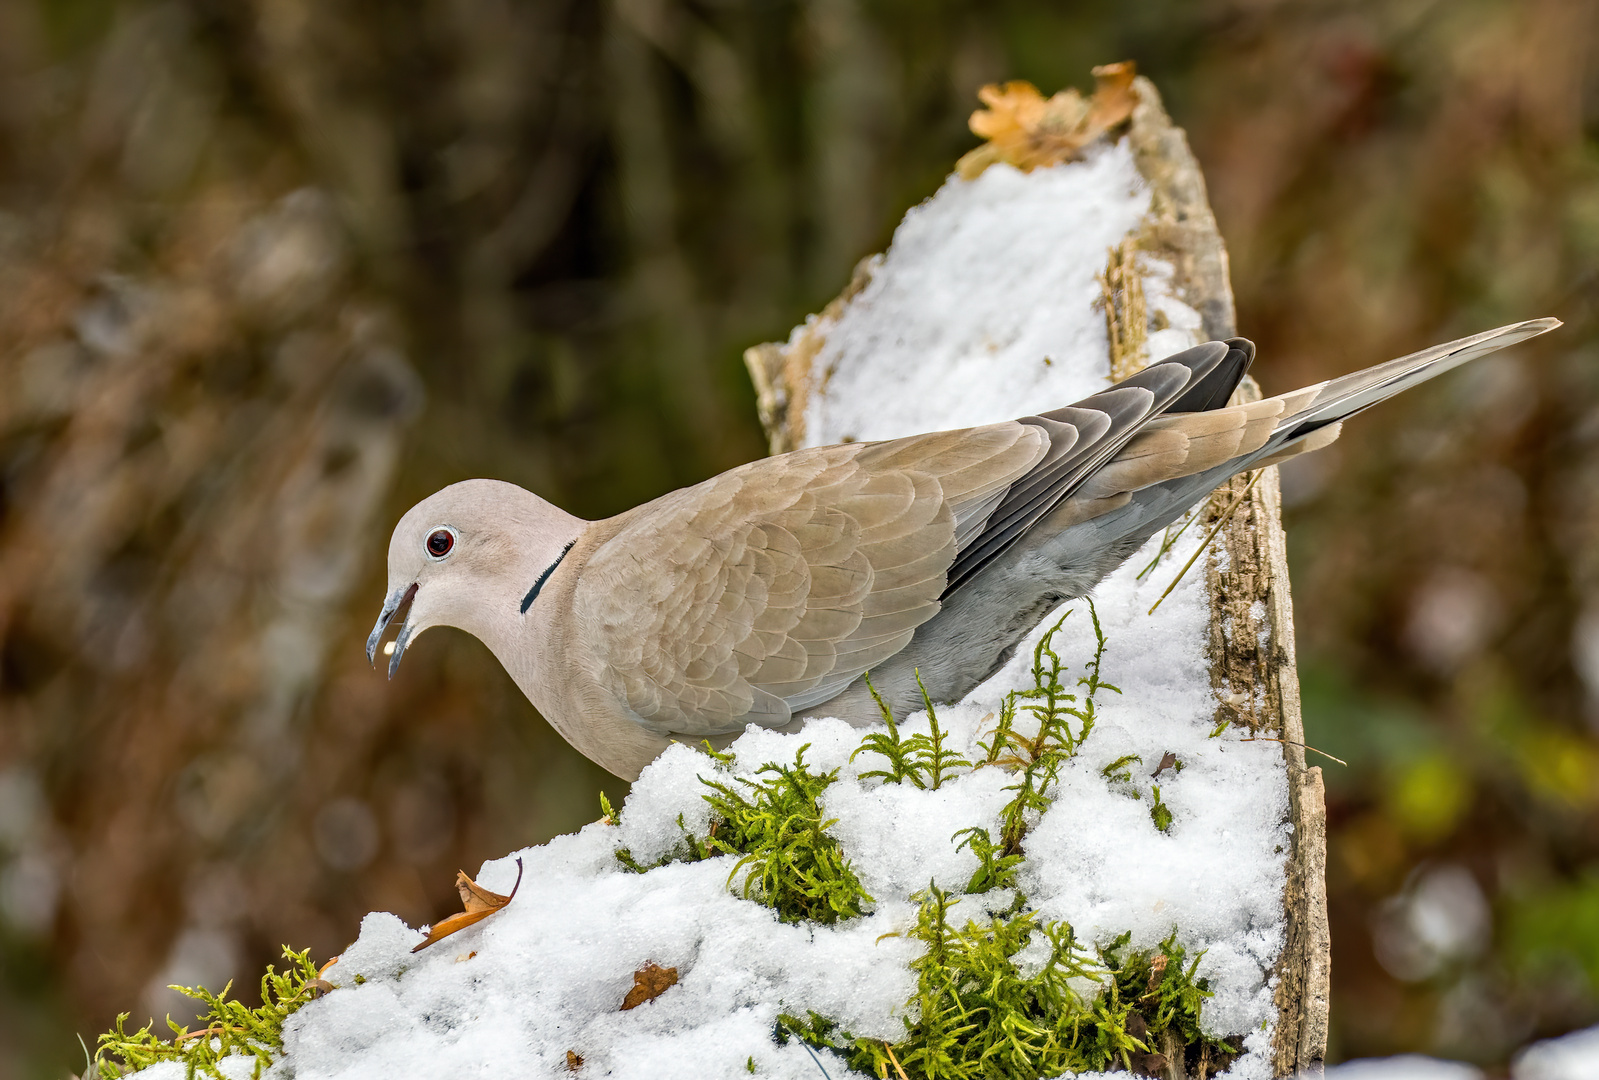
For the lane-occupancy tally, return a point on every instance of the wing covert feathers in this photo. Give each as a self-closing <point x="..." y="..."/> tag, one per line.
<point x="773" y="586"/>
<point x="1101" y="427"/>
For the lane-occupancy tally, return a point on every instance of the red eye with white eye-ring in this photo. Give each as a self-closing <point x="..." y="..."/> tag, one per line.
<point x="439" y="543"/>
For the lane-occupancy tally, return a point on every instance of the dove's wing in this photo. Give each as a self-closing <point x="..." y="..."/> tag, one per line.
<point x="1096" y="434"/>
<point x="772" y="587"/>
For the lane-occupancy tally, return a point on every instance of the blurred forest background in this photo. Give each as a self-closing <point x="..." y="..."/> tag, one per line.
<point x="271" y="270"/>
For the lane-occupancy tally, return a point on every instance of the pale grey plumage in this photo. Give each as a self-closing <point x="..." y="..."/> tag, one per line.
<point x="761" y="595"/>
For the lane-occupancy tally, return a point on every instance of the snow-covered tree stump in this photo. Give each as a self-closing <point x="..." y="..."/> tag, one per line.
<point x="826" y="383"/>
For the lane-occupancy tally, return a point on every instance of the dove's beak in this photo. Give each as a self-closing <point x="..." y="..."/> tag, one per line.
<point x="397" y="600"/>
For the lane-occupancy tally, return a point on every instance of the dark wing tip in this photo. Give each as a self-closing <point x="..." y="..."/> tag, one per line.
<point x="1214" y="389"/>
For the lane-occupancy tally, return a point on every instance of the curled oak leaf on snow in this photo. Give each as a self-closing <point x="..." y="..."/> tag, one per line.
<point x="479" y="903"/>
<point x="649" y="983"/>
<point x="1026" y="130"/>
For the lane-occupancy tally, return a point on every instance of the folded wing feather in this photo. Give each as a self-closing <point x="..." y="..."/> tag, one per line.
<point x="772" y="586"/>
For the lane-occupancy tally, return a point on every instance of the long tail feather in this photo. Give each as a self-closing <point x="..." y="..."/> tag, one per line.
<point x="1349" y="394"/>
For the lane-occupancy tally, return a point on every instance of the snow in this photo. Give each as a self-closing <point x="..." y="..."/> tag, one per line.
<point x="984" y="282"/>
<point x="1571" y="1057"/>
<point x="1407" y="1067"/>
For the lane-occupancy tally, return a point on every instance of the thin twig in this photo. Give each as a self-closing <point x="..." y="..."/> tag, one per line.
<point x="897" y="1066"/>
<point x="1290" y="742"/>
<point x="1166" y="545"/>
<point x="1225" y="515"/>
<point x="217" y="1029"/>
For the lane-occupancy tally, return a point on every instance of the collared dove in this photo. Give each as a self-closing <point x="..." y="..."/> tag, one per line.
<point x="762" y="595"/>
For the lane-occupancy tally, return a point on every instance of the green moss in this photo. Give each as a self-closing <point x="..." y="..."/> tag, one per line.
<point x="792" y="863"/>
<point x="1160" y="813"/>
<point x="924" y="760"/>
<point x="689" y="848"/>
<point x="979" y="1012"/>
<point x="1121" y="770"/>
<point x="228" y="1027"/>
<point x="775" y="825"/>
<point x="1041" y="728"/>
<point x="1162" y="983"/>
<point x="995" y="868"/>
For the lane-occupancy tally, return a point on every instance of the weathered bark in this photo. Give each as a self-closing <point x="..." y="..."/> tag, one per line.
<point x="1252" y="619"/>
<point x="1251" y="626"/>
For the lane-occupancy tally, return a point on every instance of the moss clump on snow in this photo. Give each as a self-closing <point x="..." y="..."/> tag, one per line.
<point x="923" y="760"/>
<point x="1009" y="996"/>
<point x="794" y="865"/>
<point x="991" y="1002"/>
<point x="228" y="1029"/>
<point x="791" y="863"/>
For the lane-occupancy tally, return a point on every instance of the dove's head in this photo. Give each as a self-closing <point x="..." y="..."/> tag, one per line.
<point x="470" y="556"/>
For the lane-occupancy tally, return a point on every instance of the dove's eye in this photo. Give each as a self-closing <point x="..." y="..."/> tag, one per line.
<point x="439" y="543"/>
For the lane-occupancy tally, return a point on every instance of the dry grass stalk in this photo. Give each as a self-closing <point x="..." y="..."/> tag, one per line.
<point x="1126" y="319"/>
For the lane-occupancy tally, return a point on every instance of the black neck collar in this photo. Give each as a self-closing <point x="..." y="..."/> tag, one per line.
<point x="533" y="593"/>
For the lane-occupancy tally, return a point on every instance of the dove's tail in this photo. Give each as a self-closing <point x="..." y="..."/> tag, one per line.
<point x="1186" y="455"/>
<point x="1157" y="442"/>
<point x="1315" y="408"/>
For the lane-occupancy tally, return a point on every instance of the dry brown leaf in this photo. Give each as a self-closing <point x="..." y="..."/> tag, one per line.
<point x="1026" y="130"/>
<point x="479" y="903"/>
<point x="1167" y="760"/>
<point x="574" y="1061"/>
<point x="475" y="897"/>
<point x="649" y="983"/>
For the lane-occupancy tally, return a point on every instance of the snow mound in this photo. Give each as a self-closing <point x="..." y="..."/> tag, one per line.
<point x="1571" y="1057"/>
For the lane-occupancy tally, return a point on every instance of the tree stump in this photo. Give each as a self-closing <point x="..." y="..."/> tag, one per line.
<point x="1251" y="641"/>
